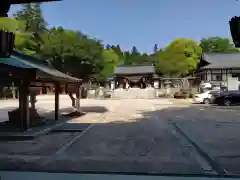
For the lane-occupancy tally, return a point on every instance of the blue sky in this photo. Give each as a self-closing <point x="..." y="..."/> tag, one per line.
<point x="142" y="22"/>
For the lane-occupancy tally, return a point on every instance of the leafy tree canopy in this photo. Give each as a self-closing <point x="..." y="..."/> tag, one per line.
<point x="180" y="57"/>
<point x="217" y="44"/>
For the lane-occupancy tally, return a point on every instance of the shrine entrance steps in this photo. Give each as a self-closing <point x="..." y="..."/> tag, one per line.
<point x="134" y="93"/>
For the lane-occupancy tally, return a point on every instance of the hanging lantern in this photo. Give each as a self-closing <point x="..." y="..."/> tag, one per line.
<point x="235" y="30"/>
<point x="6" y="43"/>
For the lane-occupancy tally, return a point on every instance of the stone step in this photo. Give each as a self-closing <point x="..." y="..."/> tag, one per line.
<point x="134" y="93"/>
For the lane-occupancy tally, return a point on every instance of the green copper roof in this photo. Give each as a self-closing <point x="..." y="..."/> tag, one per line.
<point x="44" y="71"/>
<point x="12" y="62"/>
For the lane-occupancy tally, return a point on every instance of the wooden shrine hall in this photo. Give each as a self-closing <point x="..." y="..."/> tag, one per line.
<point x="27" y="71"/>
<point x="129" y="76"/>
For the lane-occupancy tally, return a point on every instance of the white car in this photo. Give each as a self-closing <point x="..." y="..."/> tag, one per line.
<point x="204" y="97"/>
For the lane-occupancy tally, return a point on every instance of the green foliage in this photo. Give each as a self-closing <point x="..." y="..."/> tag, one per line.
<point x="82" y="56"/>
<point x="22" y="39"/>
<point x="110" y="61"/>
<point x="117" y="50"/>
<point x="10" y="25"/>
<point x="217" y="44"/>
<point x="108" y="46"/>
<point x="180" y="57"/>
<point x="72" y="52"/>
<point x="32" y="15"/>
<point x="35" y="24"/>
<point x="23" y="42"/>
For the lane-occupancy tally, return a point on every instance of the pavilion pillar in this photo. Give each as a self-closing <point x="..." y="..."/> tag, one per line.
<point x="78" y="96"/>
<point x="24" y="104"/>
<point x="162" y="84"/>
<point x="57" y="91"/>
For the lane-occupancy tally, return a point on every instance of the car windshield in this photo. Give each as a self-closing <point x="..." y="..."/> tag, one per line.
<point x="203" y="90"/>
<point x="124" y="87"/>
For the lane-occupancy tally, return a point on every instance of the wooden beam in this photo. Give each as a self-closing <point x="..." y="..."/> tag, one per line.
<point x="57" y="90"/>
<point x="32" y="85"/>
<point x="23" y="105"/>
<point x="17" y="73"/>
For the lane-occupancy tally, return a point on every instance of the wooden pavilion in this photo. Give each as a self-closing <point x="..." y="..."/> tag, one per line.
<point x="26" y="71"/>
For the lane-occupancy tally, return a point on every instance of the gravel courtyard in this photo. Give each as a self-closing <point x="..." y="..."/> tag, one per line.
<point x="133" y="135"/>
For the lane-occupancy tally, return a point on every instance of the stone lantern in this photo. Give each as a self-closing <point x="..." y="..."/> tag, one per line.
<point x="235" y="30"/>
<point x="167" y="87"/>
<point x="112" y="83"/>
<point x="156" y="81"/>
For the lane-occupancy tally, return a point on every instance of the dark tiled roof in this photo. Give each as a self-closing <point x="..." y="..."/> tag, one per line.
<point x="221" y="60"/>
<point x="135" y="69"/>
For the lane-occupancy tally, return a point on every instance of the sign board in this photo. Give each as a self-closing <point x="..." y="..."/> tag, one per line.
<point x="232" y="83"/>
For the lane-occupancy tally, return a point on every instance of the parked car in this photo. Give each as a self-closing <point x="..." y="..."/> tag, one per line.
<point x="214" y="94"/>
<point x="228" y="98"/>
<point x="206" y="97"/>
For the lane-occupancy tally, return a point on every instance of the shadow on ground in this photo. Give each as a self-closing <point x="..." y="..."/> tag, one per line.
<point x="47" y="117"/>
<point x="143" y="143"/>
<point x="46" y="112"/>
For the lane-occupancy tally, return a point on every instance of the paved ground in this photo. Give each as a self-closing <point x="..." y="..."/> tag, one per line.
<point x="216" y="131"/>
<point x="135" y="135"/>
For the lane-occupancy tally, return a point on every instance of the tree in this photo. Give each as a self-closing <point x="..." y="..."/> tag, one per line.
<point x="24" y="43"/>
<point x="127" y="58"/>
<point x="131" y="57"/>
<point x="180" y="57"/>
<point x="110" y="61"/>
<point x="155" y="48"/>
<point x="117" y="50"/>
<point x="18" y="27"/>
<point x="217" y="44"/>
<point x="31" y="14"/>
<point x="135" y="51"/>
<point x="22" y="39"/>
<point x="144" y="58"/>
<point x="9" y="24"/>
<point x="72" y="52"/>
<point x="108" y="46"/>
<point x="53" y="47"/>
